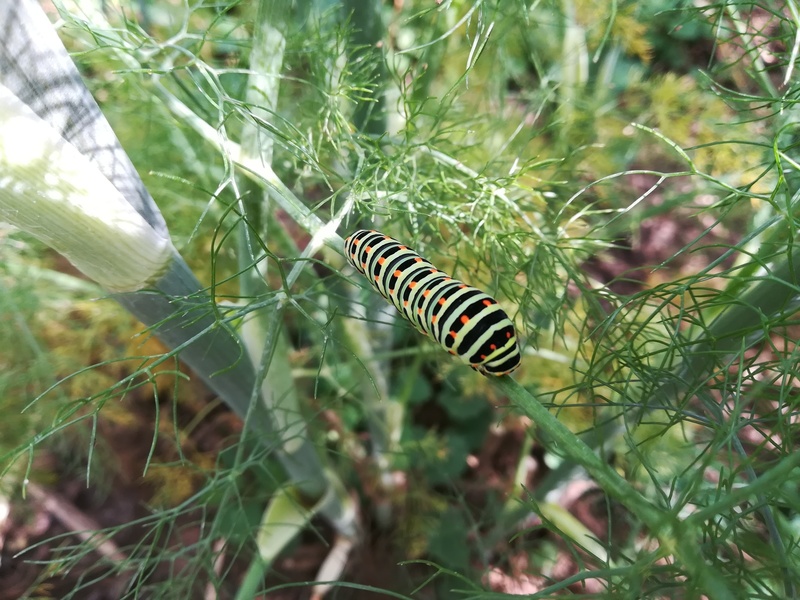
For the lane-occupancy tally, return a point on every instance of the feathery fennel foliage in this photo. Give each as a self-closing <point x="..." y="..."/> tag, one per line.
<point x="630" y="203"/>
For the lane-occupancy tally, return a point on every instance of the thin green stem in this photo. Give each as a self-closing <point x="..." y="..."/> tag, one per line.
<point x="675" y="537"/>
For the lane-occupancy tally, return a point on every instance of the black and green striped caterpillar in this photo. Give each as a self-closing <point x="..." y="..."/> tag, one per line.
<point x="462" y="319"/>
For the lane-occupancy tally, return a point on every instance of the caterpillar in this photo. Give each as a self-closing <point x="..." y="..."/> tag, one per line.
<point x="465" y="321"/>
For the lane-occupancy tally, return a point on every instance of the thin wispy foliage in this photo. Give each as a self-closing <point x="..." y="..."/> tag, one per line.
<point x="619" y="176"/>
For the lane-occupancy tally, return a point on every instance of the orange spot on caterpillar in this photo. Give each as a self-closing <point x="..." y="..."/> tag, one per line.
<point x="381" y="260"/>
<point x="412" y="285"/>
<point x="442" y="301"/>
<point x="464" y="319"/>
<point x="453" y="334"/>
<point x="398" y="273"/>
<point x="487" y="302"/>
